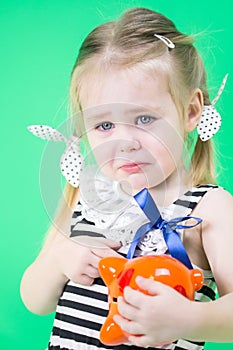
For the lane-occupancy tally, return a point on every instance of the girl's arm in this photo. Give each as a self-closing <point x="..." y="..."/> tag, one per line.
<point x="60" y="260"/>
<point x="167" y="315"/>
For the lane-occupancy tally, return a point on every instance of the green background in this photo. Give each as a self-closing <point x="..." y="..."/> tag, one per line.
<point x="39" y="43"/>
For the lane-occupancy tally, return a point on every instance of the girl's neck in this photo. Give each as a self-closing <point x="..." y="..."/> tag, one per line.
<point x="172" y="188"/>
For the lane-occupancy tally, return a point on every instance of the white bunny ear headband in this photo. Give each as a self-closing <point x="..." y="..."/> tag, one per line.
<point x="71" y="162"/>
<point x="211" y="120"/>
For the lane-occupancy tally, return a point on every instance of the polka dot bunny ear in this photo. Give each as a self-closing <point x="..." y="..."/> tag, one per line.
<point x="71" y="162"/>
<point x="211" y="120"/>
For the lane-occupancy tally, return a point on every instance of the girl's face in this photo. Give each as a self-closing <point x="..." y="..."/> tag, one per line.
<point x="133" y="127"/>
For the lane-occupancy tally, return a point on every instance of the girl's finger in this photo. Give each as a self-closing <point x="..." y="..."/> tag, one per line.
<point x="112" y="244"/>
<point x="130" y="327"/>
<point x="151" y="286"/>
<point x="83" y="279"/>
<point x="92" y="272"/>
<point x="141" y="341"/>
<point x="126" y="310"/>
<point x="146" y="341"/>
<point x="94" y="260"/>
<point x="105" y="252"/>
<point x="134" y="297"/>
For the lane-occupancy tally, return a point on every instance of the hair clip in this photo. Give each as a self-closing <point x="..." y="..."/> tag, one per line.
<point x="165" y="40"/>
<point x="211" y="120"/>
<point x="71" y="162"/>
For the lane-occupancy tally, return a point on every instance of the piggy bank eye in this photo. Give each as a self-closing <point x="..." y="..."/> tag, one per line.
<point x="124" y="278"/>
<point x="181" y="290"/>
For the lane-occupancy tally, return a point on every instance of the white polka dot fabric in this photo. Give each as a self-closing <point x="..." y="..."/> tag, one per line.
<point x="209" y="124"/>
<point x="71" y="162"/>
<point x="210" y="119"/>
<point x="72" y="165"/>
<point x="46" y="132"/>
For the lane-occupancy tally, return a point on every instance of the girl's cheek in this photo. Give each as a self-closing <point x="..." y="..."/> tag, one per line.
<point x="104" y="154"/>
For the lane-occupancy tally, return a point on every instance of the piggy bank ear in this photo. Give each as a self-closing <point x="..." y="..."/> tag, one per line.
<point x="110" y="267"/>
<point x="197" y="279"/>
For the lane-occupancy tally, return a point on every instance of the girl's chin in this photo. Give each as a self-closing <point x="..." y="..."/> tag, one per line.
<point x="134" y="183"/>
<point x="137" y="182"/>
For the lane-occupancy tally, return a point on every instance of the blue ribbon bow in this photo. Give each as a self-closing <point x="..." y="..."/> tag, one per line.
<point x="168" y="228"/>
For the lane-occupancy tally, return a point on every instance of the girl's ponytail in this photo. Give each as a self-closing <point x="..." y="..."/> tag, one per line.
<point x="202" y="163"/>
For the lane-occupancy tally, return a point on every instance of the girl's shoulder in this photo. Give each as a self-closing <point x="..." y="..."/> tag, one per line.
<point x="218" y="195"/>
<point x="216" y="204"/>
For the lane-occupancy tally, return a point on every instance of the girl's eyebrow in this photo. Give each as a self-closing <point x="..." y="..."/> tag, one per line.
<point x="95" y="116"/>
<point x="146" y="110"/>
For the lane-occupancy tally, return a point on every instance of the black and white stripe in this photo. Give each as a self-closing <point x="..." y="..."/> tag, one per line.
<point x="82" y="309"/>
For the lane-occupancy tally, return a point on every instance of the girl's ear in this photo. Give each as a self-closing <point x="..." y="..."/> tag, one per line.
<point x="194" y="110"/>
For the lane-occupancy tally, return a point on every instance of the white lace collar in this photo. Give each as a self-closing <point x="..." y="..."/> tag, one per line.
<point x="114" y="213"/>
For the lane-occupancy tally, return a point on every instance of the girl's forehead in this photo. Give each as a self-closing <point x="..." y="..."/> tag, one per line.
<point x="131" y="86"/>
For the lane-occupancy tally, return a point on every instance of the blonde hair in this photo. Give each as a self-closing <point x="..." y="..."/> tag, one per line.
<point x="130" y="42"/>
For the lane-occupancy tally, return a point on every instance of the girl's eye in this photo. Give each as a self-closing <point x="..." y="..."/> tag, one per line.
<point x="105" y="126"/>
<point x="144" y="119"/>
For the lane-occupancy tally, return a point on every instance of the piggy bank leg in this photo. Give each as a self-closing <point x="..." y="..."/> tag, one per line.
<point x="111" y="333"/>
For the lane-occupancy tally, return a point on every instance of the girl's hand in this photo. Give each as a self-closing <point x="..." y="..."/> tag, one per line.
<point x="60" y="260"/>
<point x="79" y="263"/>
<point x="161" y="317"/>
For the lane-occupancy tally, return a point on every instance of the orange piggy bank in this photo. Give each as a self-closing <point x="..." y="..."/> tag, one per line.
<point x="117" y="273"/>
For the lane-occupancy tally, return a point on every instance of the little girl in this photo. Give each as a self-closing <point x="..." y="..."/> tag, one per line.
<point x="139" y="90"/>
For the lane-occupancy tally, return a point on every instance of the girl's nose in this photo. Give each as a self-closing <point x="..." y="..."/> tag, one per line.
<point x="128" y="140"/>
<point x="128" y="145"/>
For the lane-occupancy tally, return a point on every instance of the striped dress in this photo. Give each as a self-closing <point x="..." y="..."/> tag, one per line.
<point x="82" y="310"/>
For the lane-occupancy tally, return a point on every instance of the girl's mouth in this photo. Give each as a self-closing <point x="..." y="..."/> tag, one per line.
<point x="132" y="167"/>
